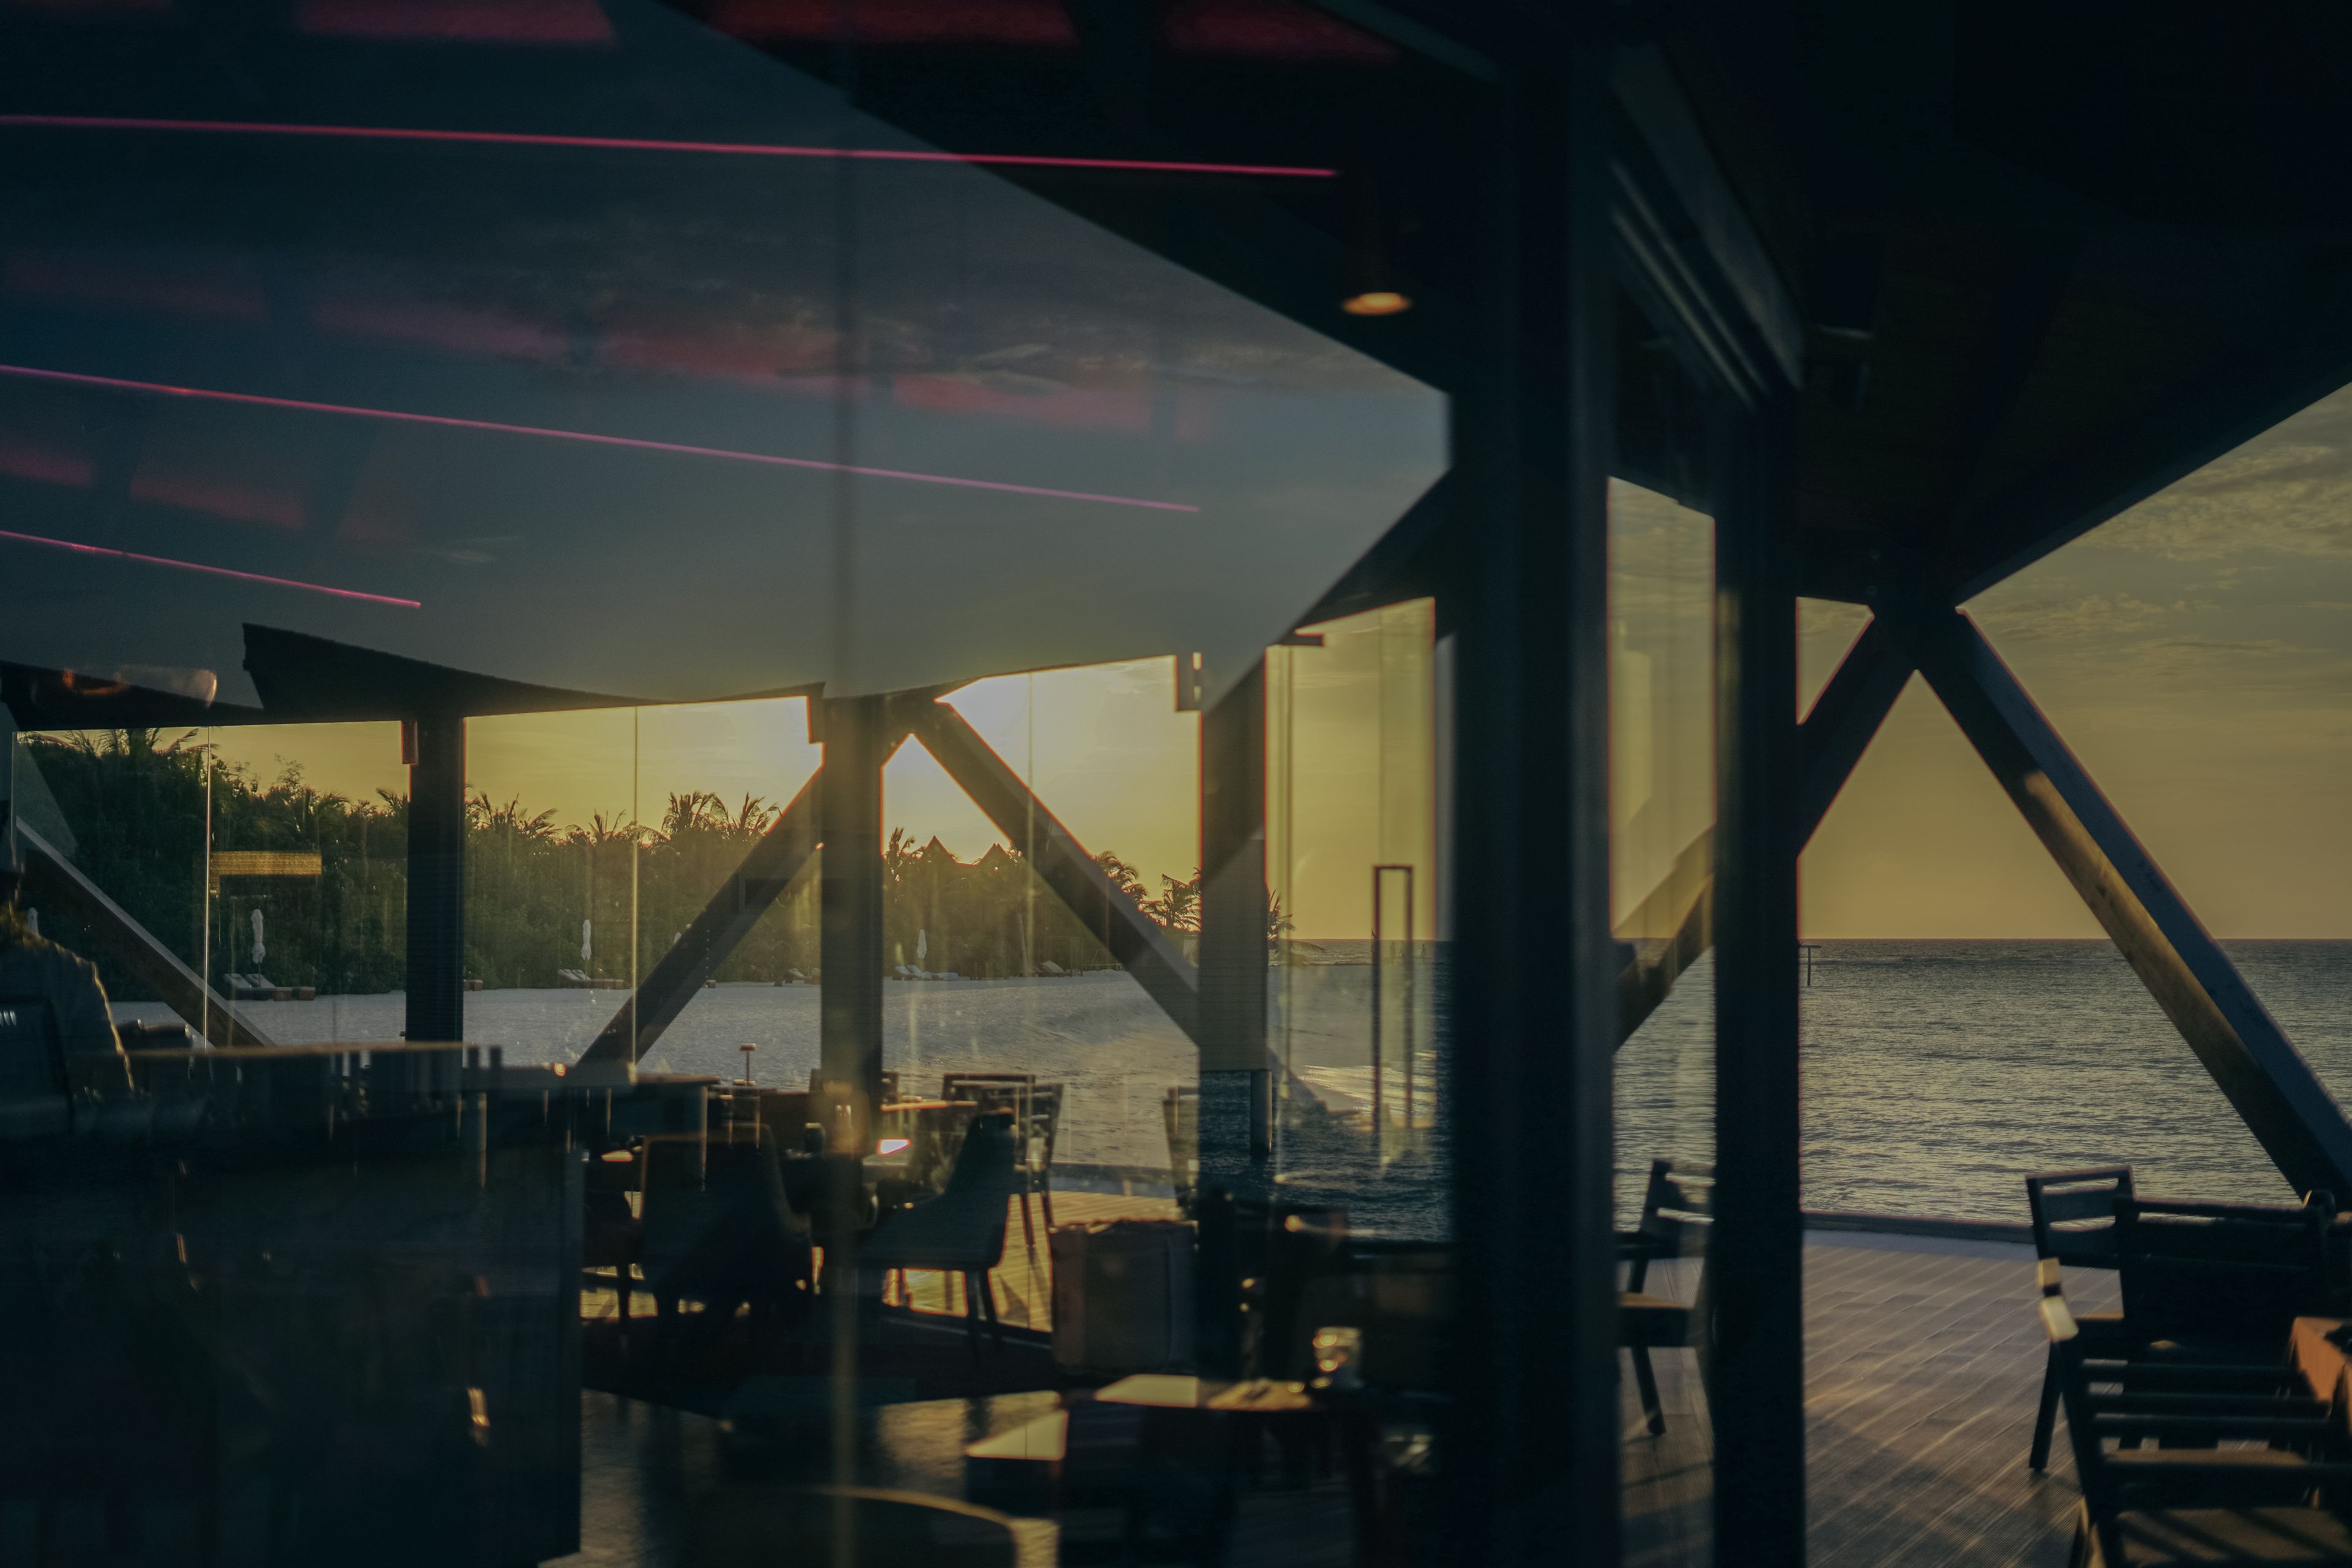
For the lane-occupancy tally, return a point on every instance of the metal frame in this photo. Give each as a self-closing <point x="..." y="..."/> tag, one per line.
<point x="1380" y="1109"/>
<point x="436" y="1001"/>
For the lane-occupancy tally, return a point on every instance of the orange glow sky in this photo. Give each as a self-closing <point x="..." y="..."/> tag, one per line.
<point x="2196" y="653"/>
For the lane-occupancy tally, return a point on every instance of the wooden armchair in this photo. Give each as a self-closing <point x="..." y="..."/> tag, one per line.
<point x="1677" y="1210"/>
<point x="2188" y="1500"/>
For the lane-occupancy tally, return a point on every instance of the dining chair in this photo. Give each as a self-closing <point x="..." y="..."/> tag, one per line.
<point x="1037" y="1110"/>
<point x="2223" y="1281"/>
<point x="717" y="1228"/>
<point x="2187" y="1502"/>
<point x="961" y="1231"/>
<point x="1677" y="1212"/>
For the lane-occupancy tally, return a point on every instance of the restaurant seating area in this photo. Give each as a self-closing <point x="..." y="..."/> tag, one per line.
<point x="2193" y="1353"/>
<point x="1925" y="1358"/>
<point x="2125" y="1376"/>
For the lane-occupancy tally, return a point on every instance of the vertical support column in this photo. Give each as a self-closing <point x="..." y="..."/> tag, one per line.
<point x="12" y="853"/>
<point x="1756" y="1263"/>
<point x="1531" y="1455"/>
<point x="849" y="904"/>
<point x="437" y="878"/>
<point x="1236" y="1123"/>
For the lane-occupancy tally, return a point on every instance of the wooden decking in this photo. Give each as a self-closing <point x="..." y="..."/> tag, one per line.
<point x="1923" y="1361"/>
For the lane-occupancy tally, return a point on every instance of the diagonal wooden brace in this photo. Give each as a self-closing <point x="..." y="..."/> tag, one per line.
<point x="1057" y="856"/>
<point x="2265" y="1079"/>
<point x="724" y="922"/>
<point x="158" y="968"/>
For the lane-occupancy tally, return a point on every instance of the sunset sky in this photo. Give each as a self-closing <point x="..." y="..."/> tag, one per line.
<point x="1105" y="747"/>
<point x="2196" y="653"/>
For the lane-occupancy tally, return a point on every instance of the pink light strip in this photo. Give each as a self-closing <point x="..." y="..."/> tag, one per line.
<point x="101" y="550"/>
<point x="632" y="443"/>
<point x="637" y="144"/>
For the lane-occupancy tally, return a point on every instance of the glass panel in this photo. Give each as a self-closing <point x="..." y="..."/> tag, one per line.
<point x="719" y="350"/>
<point x="308" y="894"/>
<point x="1662" y="815"/>
<point x="1351" y="834"/>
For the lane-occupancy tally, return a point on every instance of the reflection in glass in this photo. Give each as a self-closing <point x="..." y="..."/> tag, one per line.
<point x="1662" y="815"/>
<point x="1352" y="873"/>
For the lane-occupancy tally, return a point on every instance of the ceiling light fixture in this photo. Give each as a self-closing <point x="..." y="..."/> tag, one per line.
<point x="1376" y="302"/>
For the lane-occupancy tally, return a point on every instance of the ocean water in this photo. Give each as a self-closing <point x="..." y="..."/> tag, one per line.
<point x="1937" y="1074"/>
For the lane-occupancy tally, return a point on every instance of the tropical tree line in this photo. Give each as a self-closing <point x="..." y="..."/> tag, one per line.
<point x="151" y="816"/>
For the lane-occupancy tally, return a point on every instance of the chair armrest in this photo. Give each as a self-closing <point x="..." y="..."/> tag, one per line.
<point x="2217" y="1404"/>
<point x="2194" y="1374"/>
<point x="2308" y="1473"/>
<point x="2215" y="1428"/>
<point x="2208" y="1208"/>
<point x="2196" y="1483"/>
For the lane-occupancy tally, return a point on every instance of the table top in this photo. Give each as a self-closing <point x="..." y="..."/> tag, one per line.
<point x="1252" y="1397"/>
<point x="2322" y="1362"/>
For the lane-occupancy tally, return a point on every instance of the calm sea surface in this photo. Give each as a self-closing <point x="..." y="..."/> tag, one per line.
<point x="1936" y="1073"/>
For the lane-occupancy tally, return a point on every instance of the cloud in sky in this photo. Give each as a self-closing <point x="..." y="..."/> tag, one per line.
<point x="2287" y="492"/>
<point x="2196" y="654"/>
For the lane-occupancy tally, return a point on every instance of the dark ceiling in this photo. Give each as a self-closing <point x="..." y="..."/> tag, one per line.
<point x="2052" y="258"/>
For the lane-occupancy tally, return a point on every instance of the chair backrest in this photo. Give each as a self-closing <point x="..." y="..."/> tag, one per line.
<point x="992" y="1091"/>
<point x="1678" y="1205"/>
<point x="983" y="1166"/>
<point x="1046" y="1109"/>
<point x="2238" y="1271"/>
<point x="1036" y="1107"/>
<point x="951" y="1084"/>
<point x="2074" y="1213"/>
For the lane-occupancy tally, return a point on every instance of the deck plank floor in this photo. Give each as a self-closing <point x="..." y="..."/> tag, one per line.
<point x="1923" y="1361"/>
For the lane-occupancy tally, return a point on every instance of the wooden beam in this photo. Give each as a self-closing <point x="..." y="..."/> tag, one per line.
<point x="747" y="895"/>
<point x="2257" y="1068"/>
<point x="1055" y="853"/>
<point x="857" y="743"/>
<point x="1756" y="1362"/>
<point x="1844" y="719"/>
<point x="1532" y="1438"/>
<point x="61" y="882"/>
